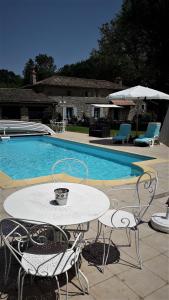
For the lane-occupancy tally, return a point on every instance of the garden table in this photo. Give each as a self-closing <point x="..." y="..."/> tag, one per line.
<point x="84" y="204"/>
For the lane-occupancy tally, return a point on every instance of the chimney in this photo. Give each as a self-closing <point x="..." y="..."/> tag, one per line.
<point x="33" y="76"/>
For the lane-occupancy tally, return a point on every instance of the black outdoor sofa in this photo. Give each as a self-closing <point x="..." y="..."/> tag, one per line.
<point x="99" y="130"/>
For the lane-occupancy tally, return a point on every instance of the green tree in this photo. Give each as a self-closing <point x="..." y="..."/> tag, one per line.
<point x="134" y="46"/>
<point x="42" y="64"/>
<point x="27" y="72"/>
<point x="9" y="79"/>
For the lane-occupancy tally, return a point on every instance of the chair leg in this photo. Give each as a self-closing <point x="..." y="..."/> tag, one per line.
<point x="86" y="280"/>
<point x="19" y="283"/>
<point x="136" y="231"/>
<point x="99" y="229"/>
<point x="78" y="271"/>
<point x="22" y="283"/>
<point x="7" y="264"/>
<point x="78" y="277"/>
<point x="67" y="279"/>
<point x="58" y="286"/>
<point x="128" y="233"/>
<point x="106" y="255"/>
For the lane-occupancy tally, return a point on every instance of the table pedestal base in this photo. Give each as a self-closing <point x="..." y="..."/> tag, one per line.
<point x="160" y="222"/>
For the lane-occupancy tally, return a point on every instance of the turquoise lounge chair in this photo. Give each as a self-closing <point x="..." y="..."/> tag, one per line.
<point x="123" y="134"/>
<point x="151" y="135"/>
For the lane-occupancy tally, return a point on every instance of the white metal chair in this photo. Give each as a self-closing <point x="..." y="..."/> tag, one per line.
<point x="7" y="229"/>
<point x="42" y="250"/>
<point x="129" y="217"/>
<point x="74" y="169"/>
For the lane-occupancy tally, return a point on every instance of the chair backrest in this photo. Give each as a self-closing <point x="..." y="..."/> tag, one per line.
<point x="145" y="188"/>
<point x="24" y="237"/>
<point x="69" y="169"/>
<point x="124" y="130"/>
<point x="153" y="129"/>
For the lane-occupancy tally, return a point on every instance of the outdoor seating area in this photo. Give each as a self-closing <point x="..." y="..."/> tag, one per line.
<point x="65" y="244"/>
<point x="58" y="126"/>
<point x="150" y="137"/>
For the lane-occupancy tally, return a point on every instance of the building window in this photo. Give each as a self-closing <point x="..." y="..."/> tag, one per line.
<point x="116" y="114"/>
<point x="96" y="112"/>
<point x="11" y="112"/>
<point x="86" y="94"/>
<point x="69" y="93"/>
<point x="69" y="112"/>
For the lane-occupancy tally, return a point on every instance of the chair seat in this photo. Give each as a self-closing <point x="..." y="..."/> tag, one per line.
<point x="118" y="219"/>
<point x="119" y="137"/>
<point x="49" y="264"/>
<point x="143" y="140"/>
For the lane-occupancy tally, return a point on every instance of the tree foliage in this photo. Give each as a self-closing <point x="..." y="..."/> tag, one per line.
<point x="42" y="64"/>
<point x="134" y="46"/>
<point x="29" y="66"/>
<point x="9" y="79"/>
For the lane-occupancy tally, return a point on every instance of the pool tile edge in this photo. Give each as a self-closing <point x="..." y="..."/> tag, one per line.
<point x="8" y="182"/>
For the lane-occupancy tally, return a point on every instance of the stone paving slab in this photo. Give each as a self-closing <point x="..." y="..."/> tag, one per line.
<point x="161" y="294"/>
<point x="143" y="282"/>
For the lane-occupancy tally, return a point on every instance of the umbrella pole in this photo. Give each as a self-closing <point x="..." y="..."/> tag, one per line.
<point x="137" y="122"/>
<point x="137" y="113"/>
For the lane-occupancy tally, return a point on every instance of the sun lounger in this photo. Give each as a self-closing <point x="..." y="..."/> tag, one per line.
<point x="151" y="135"/>
<point x="123" y="134"/>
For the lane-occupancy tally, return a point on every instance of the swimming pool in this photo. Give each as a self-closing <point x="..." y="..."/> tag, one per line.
<point x="31" y="157"/>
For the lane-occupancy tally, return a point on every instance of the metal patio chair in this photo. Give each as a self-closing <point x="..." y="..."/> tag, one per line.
<point x="129" y="217"/>
<point x="42" y="250"/>
<point x="74" y="169"/>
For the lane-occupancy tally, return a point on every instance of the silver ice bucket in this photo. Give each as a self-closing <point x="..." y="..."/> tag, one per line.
<point x="61" y="195"/>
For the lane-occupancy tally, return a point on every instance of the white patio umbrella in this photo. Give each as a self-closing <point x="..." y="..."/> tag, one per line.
<point x="138" y="93"/>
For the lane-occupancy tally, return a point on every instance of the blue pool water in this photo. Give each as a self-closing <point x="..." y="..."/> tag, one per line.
<point x="29" y="157"/>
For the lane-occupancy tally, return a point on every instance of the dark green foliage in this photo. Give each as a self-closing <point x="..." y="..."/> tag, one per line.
<point x="42" y="64"/>
<point x="29" y="66"/>
<point x="9" y="79"/>
<point x="133" y="46"/>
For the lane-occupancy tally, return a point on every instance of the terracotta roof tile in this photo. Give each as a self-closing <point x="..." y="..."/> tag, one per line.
<point x="78" y="82"/>
<point x="14" y="95"/>
<point x="122" y="102"/>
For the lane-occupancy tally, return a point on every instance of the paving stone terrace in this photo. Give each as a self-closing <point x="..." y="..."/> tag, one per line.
<point x="121" y="279"/>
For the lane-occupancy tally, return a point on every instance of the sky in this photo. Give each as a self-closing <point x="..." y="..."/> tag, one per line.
<point x="67" y="30"/>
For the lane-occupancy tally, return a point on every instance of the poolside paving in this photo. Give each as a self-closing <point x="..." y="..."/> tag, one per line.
<point x="121" y="279"/>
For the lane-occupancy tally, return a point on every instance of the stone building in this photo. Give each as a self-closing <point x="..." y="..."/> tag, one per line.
<point x="61" y="97"/>
<point x="24" y="104"/>
<point x="74" y="96"/>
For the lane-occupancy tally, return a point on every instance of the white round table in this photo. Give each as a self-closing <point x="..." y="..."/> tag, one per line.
<point x="84" y="204"/>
